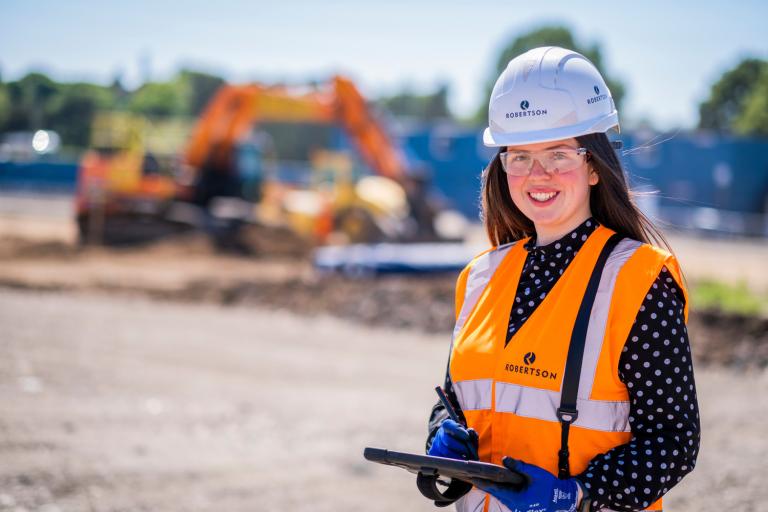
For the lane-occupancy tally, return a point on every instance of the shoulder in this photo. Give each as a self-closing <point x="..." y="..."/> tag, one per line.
<point x="486" y="257"/>
<point x="661" y="274"/>
<point x="482" y="264"/>
<point x="653" y="252"/>
<point x="649" y="259"/>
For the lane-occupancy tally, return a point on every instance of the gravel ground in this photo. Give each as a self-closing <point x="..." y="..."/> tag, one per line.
<point x="125" y="404"/>
<point x="114" y="403"/>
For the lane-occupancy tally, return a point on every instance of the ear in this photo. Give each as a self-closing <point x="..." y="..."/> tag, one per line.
<point x="593" y="178"/>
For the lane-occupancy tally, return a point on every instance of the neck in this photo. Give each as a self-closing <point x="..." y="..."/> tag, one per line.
<point x="546" y="235"/>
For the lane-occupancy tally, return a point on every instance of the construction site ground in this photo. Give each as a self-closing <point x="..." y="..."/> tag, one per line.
<point x="172" y="378"/>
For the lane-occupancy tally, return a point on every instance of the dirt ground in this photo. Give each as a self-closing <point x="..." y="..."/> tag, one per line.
<point x="173" y="378"/>
<point x="114" y="403"/>
<point x="117" y="403"/>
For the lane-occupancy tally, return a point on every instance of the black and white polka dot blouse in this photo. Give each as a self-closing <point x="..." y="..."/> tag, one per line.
<point x="656" y="367"/>
<point x="543" y="266"/>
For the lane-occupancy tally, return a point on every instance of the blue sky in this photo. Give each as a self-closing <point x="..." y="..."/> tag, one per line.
<point x="667" y="53"/>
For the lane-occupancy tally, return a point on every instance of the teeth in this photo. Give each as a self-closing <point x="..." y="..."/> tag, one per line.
<point x="542" y="196"/>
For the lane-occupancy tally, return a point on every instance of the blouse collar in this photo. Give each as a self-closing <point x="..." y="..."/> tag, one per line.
<point x="569" y="243"/>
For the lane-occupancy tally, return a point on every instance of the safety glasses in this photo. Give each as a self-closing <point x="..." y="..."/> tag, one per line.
<point x="554" y="161"/>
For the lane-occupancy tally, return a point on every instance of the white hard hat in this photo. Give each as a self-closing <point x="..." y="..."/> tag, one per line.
<point x="545" y="94"/>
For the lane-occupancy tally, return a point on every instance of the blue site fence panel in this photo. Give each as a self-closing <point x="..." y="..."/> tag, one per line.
<point x="687" y="170"/>
<point x="39" y="175"/>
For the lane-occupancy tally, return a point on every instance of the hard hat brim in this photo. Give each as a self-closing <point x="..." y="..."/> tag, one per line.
<point x="600" y="125"/>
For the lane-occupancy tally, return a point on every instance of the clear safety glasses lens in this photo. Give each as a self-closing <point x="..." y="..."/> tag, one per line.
<point x="520" y="163"/>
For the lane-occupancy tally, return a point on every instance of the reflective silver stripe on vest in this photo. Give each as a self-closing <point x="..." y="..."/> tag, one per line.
<point x="599" y="317"/>
<point x="474" y="395"/>
<point x="538" y="403"/>
<point x="542" y="404"/>
<point x="480" y="275"/>
<point x="473" y="501"/>
<point x="495" y="505"/>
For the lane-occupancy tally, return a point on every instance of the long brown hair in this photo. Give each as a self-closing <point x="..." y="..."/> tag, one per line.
<point x="610" y="199"/>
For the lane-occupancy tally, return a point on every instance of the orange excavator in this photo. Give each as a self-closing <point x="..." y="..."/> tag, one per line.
<point x="313" y="160"/>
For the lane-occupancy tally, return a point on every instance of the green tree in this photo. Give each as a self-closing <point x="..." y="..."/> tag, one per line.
<point x="735" y="99"/>
<point x="553" y="35"/>
<point x="160" y="99"/>
<point x="30" y="99"/>
<point x="5" y="103"/>
<point x="201" y="88"/>
<point x="37" y="102"/>
<point x="753" y="119"/>
<point x="5" y="106"/>
<point x="120" y="95"/>
<point x="71" y="111"/>
<point x="425" y="107"/>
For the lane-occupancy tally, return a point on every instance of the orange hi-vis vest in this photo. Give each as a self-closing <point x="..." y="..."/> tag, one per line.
<point x="510" y="394"/>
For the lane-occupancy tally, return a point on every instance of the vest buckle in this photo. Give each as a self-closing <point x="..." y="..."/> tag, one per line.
<point x="567" y="415"/>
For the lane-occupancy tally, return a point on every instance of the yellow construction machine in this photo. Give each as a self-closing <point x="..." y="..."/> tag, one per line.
<point x="313" y="161"/>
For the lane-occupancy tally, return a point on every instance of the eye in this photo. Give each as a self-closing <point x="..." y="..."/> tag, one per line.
<point x="520" y="157"/>
<point x="559" y="155"/>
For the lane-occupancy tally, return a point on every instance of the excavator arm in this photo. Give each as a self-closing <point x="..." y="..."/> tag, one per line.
<point x="235" y="109"/>
<point x="372" y="141"/>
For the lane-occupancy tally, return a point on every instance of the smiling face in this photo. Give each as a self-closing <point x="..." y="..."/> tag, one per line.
<point x="555" y="203"/>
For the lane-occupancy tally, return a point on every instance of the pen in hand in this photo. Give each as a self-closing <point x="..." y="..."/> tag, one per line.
<point x="473" y="438"/>
<point x="447" y="404"/>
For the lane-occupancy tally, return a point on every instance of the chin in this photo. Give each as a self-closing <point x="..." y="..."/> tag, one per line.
<point x="545" y="218"/>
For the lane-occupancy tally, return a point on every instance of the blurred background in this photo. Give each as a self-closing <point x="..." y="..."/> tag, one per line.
<point x="229" y="235"/>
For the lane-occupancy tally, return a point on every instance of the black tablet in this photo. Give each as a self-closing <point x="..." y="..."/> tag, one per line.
<point x="465" y="470"/>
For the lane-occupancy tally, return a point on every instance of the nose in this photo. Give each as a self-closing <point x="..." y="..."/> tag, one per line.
<point x="537" y="169"/>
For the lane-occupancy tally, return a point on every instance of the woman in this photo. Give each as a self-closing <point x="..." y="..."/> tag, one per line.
<point x="554" y="198"/>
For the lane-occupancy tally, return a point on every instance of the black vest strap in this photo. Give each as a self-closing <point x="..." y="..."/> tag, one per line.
<point x="567" y="412"/>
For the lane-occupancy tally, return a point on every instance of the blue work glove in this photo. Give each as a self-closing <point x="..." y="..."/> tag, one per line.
<point x="454" y="441"/>
<point x="544" y="492"/>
